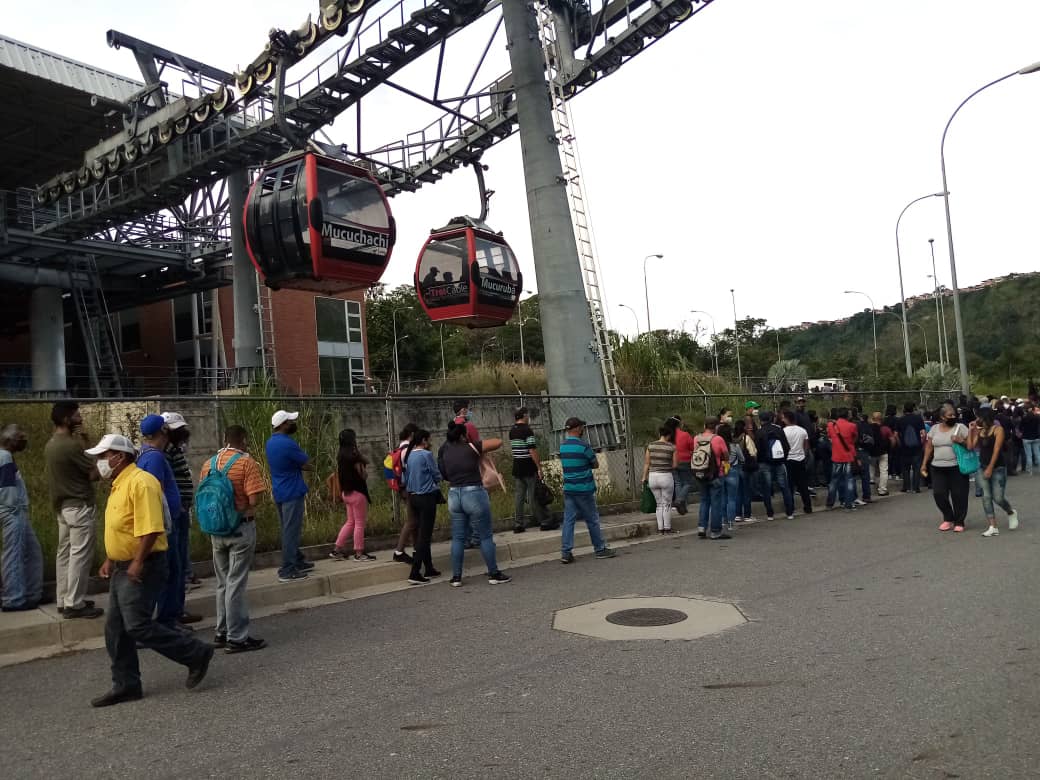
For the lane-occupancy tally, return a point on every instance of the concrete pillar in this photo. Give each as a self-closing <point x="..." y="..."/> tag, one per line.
<point x="47" y="337"/>
<point x="247" y="322"/>
<point x="571" y="364"/>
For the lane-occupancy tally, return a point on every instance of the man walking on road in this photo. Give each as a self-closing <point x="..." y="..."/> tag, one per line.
<point x="136" y="565"/>
<point x="527" y="471"/>
<point x="71" y="474"/>
<point x="287" y="463"/>
<point x="22" y="563"/>
<point x="233" y="554"/>
<point x="579" y="491"/>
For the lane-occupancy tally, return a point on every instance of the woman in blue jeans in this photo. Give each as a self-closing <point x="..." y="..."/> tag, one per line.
<point x="987" y="436"/>
<point x="468" y="502"/>
<point x="732" y="481"/>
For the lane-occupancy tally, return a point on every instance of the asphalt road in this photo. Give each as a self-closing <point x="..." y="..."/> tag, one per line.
<point x="876" y="647"/>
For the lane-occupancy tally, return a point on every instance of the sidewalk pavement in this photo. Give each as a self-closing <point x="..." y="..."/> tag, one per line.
<point x="42" y="632"/>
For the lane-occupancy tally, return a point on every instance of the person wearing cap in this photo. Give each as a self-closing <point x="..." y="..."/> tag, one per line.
<point x="287" y="463"/>
<point x="578" y="460"/>
<point x="22" y="562"/>
<point x="152" y="459"/>
<point x="137" y="567"/>
<point x="175" y="451"/>
<point x="751" y="421"/>
<point x="71" y="475"/>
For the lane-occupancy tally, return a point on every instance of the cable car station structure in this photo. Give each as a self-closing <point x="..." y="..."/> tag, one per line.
<point x="156" y="208"/>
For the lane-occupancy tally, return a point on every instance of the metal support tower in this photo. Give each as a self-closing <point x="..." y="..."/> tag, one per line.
<point x="561" y="67"/>
<point x="95" y="322"/>
<point x="572" y="367"/>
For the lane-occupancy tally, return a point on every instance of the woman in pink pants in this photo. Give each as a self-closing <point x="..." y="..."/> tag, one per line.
<point x="353" y="472"/>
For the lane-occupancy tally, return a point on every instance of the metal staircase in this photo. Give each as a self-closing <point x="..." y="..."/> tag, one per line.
<point x="95" y="323"/>
<point x="265" y="313"/>
<point x="558" y="56"/>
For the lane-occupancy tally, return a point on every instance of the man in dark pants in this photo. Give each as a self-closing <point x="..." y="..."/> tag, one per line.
<point x="287" y="463"/>
<point x="527" y="472"/>
<point x="136" y="567"/>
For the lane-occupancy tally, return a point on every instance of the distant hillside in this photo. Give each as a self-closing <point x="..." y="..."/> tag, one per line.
<point x="1001" y="326"/>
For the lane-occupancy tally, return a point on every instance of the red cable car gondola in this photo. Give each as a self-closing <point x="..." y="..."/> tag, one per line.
<point x="467" y="275"/>
<point x="316" y="223"/>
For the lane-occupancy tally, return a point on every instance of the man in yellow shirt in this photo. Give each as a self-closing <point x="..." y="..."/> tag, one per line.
<point x="135" y="565"/>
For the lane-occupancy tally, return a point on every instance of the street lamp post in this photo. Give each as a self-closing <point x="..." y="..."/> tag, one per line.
<point x="962" y="355"/>
<point x="902" y="294"/>
<point x="714" y="337"/>
<point x="634" y="316"/>
<point x="873" y="319"/>
<point x="646" y="292"/>
<point x="444" y="370"/>
<point x="520" y="313"/>
<point x="397" y="368"/>
<point x="916" y="325"/>
<point x="736" y="337"/>
<point x="940" y="309"/>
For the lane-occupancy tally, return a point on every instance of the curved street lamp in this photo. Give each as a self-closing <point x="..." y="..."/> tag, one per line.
<point x="873" y="316"/>
<point x="962" y="354"/>
<point x="714" y="336"/>
<point x="646" y="292"/>
<point x="902" y="295"/>
<point x="634" y="316"/>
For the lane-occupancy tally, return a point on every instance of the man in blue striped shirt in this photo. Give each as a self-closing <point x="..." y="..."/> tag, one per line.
<point x="579" y="491"/>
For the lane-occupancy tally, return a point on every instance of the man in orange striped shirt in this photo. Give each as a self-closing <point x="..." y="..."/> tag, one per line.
<point x="233" y="555"/>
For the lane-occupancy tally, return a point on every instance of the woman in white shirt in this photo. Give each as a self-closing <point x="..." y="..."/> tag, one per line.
<point x="949" y="486"/>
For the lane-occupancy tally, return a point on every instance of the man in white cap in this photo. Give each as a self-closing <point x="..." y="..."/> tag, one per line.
<point x="176" y="455"/>
<point x="136" y="567"/>
<point x="287" y="463"/>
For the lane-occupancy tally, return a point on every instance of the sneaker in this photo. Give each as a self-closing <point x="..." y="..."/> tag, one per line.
<point x="738" y="519"/>
<point x="498" y="578"/>
<point x="958" y="529"/>
<point x="433" y="573"/>
<point x="606" y="552"/>
<point x="88" y="611"/>
<point x="701" y="533"/>
<point x="247" y="645"/>
<point x="567" y="558"/>
<point x="363" y="556"/>
<point x="305" y="566"/>
<point x="220" y="640"/>
<point x="882" y="492"/>
<point x="189" y="617"/>
<point x="417" y="579"/>
<point x="770" y="519"/>
<point x="117" y="697"/>
<point x="338" y="555"/>
<point x="402" y="557"/>
<point x="1012" y="520"/>
<point x="991" y="531"/>
<point x="946" y="526"/>
<point x="519" y="529"/>
<point x="456" y="582"/>
<point x="790" y="517"/>
<point x="293" y="576"/>
<point x="720" y="535"/>
<point x="859" y="502"/>
<point x="681" y="508"/>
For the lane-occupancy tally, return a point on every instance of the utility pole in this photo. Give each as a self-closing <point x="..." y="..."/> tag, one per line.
<point x="736" y="337"/>
<point x="572" y="362"/>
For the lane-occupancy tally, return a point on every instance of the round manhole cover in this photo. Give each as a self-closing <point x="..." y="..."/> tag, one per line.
<point x="646" y="617"/>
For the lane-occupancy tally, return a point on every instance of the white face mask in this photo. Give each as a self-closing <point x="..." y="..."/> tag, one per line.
<point x="104" y="468"/>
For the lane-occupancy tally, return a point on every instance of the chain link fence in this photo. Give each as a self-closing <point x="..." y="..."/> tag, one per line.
<point x="618" y="429"/>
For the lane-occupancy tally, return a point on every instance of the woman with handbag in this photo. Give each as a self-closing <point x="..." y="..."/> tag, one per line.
<point x="748" y="471"/>
<point x="949" y="485"/>
<point x="987" y="437"/>
<point x="422" y="481"/>
<point x="659" y="466"/>
<point x="461" y="462"/>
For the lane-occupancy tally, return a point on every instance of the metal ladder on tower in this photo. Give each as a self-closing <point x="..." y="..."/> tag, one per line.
<point x="548" y="34"/>
<point x="95" y="323"/>
<point x="265" y="314"/>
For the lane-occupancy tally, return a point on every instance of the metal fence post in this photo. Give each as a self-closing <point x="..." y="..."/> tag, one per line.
<point x="633" y="486"/>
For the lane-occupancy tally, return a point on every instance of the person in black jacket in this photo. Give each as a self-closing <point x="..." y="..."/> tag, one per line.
<point x="911" y="448"/>
<point x="772" y="458"/>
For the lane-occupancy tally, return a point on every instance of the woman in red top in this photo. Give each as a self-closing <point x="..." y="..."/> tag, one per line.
<point x="683" y="452"/>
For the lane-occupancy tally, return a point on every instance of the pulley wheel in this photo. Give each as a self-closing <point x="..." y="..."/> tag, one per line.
<point x="147" y="143"/>
<point x="220" y="98"/>
<point x="69" y="185"/>
<point x="264" y="72"/>
<point x="181" y="125"/>
<point x="331" y="21"/>
<point x="83" y="177"/>
<point x="201" y="113"/>
<point x="245" y="86"/>
<point x="97" y="169"/>
<point x="165" y="133"/>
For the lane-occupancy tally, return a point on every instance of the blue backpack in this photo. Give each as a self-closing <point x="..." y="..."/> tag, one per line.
<point x="215" y="500"/>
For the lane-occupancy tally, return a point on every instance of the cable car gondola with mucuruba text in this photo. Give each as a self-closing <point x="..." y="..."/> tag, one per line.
<point x="317" y="223"/>
<point x="468" y="275"/>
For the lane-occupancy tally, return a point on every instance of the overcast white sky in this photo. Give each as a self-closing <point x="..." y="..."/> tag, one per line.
<point x="763" y="146"/>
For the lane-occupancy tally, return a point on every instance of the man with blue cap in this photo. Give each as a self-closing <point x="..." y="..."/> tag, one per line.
<point x="152" y="459"/>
